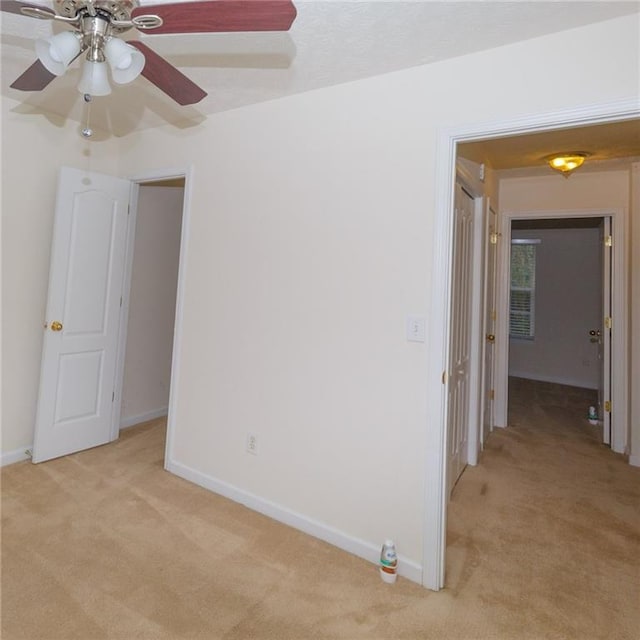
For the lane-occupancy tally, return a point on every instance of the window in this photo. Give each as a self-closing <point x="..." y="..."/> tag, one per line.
<point x="523" y="289"/>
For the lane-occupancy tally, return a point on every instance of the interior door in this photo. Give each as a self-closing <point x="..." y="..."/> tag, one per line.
<point x="604" y="339"/>
<point x="80" y="348"/>
<point x="460" y="345"/>
<point x="489" y="323"/>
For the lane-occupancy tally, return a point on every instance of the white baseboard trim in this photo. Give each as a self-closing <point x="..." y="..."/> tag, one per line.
<point x="11" y="457"/>
<point x="634" y="460"/>
<point x="361" y="548"/>
<point x="131" y="421"/>
<point x="570" y="382"/>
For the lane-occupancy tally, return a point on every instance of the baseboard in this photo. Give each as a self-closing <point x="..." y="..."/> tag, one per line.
<point x="634" y="460"/>
<point x="11" y="457"/>
<point x="361" y="548"/>
<point x="125" y="423"/>
<point x="569" y="382"/>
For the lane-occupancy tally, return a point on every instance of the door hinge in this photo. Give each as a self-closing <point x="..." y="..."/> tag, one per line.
<point x="608" y="241"/>
<point x="493" y="315"/>
<point x="493" y="237"/>
<point x="608" y="323"/>
<point x="120" y="300"/>
<point x="492" y="394"/>
<point x="113" y="396"/>
<point x="444" y="377"/>
<point x="607" y="406"/>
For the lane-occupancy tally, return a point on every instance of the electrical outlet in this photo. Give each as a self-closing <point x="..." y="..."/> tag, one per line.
<point x="252" y="444"/>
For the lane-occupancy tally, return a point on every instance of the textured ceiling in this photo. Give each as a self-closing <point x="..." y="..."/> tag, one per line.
<point x="330" y="42"/>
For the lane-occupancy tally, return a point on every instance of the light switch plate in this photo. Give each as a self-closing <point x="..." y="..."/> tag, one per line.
<point x="415" y="328"/>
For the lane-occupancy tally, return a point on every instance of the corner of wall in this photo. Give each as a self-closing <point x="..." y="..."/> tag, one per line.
<point x="18" y="455"/>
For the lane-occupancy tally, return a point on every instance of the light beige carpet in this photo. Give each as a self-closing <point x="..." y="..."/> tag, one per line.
<point x="543" y="543"/>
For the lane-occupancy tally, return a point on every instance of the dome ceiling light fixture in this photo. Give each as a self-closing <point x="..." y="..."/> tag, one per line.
<point x="566" y="163"/>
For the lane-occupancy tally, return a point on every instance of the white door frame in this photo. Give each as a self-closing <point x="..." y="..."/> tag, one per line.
<point x="137" y="180"/>
<point x="619" y="336"/>
<point x="489" y="276"/>
<point x="435" y="502"/>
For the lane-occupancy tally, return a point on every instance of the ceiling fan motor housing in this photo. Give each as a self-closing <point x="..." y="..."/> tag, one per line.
<point x="95" y="31"/>
<point x="120" y="11"/>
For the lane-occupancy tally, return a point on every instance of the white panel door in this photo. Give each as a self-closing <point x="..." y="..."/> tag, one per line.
<point x="460" y="345"/>
<point x="80" y="348"/>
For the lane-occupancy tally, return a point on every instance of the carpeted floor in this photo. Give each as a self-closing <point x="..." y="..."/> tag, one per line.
<point x="544" y="543"/>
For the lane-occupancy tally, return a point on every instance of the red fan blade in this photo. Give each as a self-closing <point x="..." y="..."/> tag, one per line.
<point x="35" y="78"/>
<point x="11" y="6"/>
<point x="221" y="16"/>
<point x="167" y="78"/>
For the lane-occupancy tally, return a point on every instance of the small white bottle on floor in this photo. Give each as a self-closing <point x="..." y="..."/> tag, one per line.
<point x="388" y="562"/>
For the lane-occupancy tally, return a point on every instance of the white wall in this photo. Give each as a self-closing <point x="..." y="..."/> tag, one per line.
<point x="147" y="367"/>
<point x="568" y="303"/>
<point x="310" y="241"/>
<point x="33" y="149"/>
<point x="588" y="190"/>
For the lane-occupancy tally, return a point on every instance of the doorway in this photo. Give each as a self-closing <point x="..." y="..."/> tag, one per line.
<point x="84" y="352"/>
<point x="165" y="274"/>
<point x="435" y="511"/>
<point x="556" y="308"/>
<point x="152" y="301"/>
<point x="610" y="346"/>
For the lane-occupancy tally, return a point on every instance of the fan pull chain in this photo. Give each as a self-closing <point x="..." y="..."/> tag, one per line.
<point x="87" y="132"/>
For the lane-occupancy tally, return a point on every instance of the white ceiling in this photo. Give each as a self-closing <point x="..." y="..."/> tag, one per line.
<point x="330" y="42"/>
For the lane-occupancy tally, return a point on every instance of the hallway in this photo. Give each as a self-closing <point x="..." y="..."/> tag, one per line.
<point x="546" y="529"/>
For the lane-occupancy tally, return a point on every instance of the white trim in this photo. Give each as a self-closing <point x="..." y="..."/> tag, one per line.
<point x="356" y="546"/>
<point x="437" y="358"/>
<point x="18" y="455"/>
<point x="467" y="175"/>
<point x="176" y="356"/>
<point x="476" y="353"/>
<point x="435" y="504"/>
<point x="132" y="421"/>
<point x="124" y="310"/>
<point x="501" y="353"/>
<point x="634" y="330"/>
<point x="152" y="175"/>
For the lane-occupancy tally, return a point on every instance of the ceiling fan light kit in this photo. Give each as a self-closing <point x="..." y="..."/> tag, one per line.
<point x="95" y="27"/>
<point x="125" y="61"/>
<point x="94" y="80"/>
<point x="57" y="52"/>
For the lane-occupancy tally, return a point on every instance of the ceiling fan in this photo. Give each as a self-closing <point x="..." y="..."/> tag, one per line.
<point x="95" y="27"/>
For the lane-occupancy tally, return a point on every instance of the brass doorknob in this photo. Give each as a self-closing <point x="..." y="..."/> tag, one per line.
<point x="491" y="337"/>
<point x="56" y="326"/>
